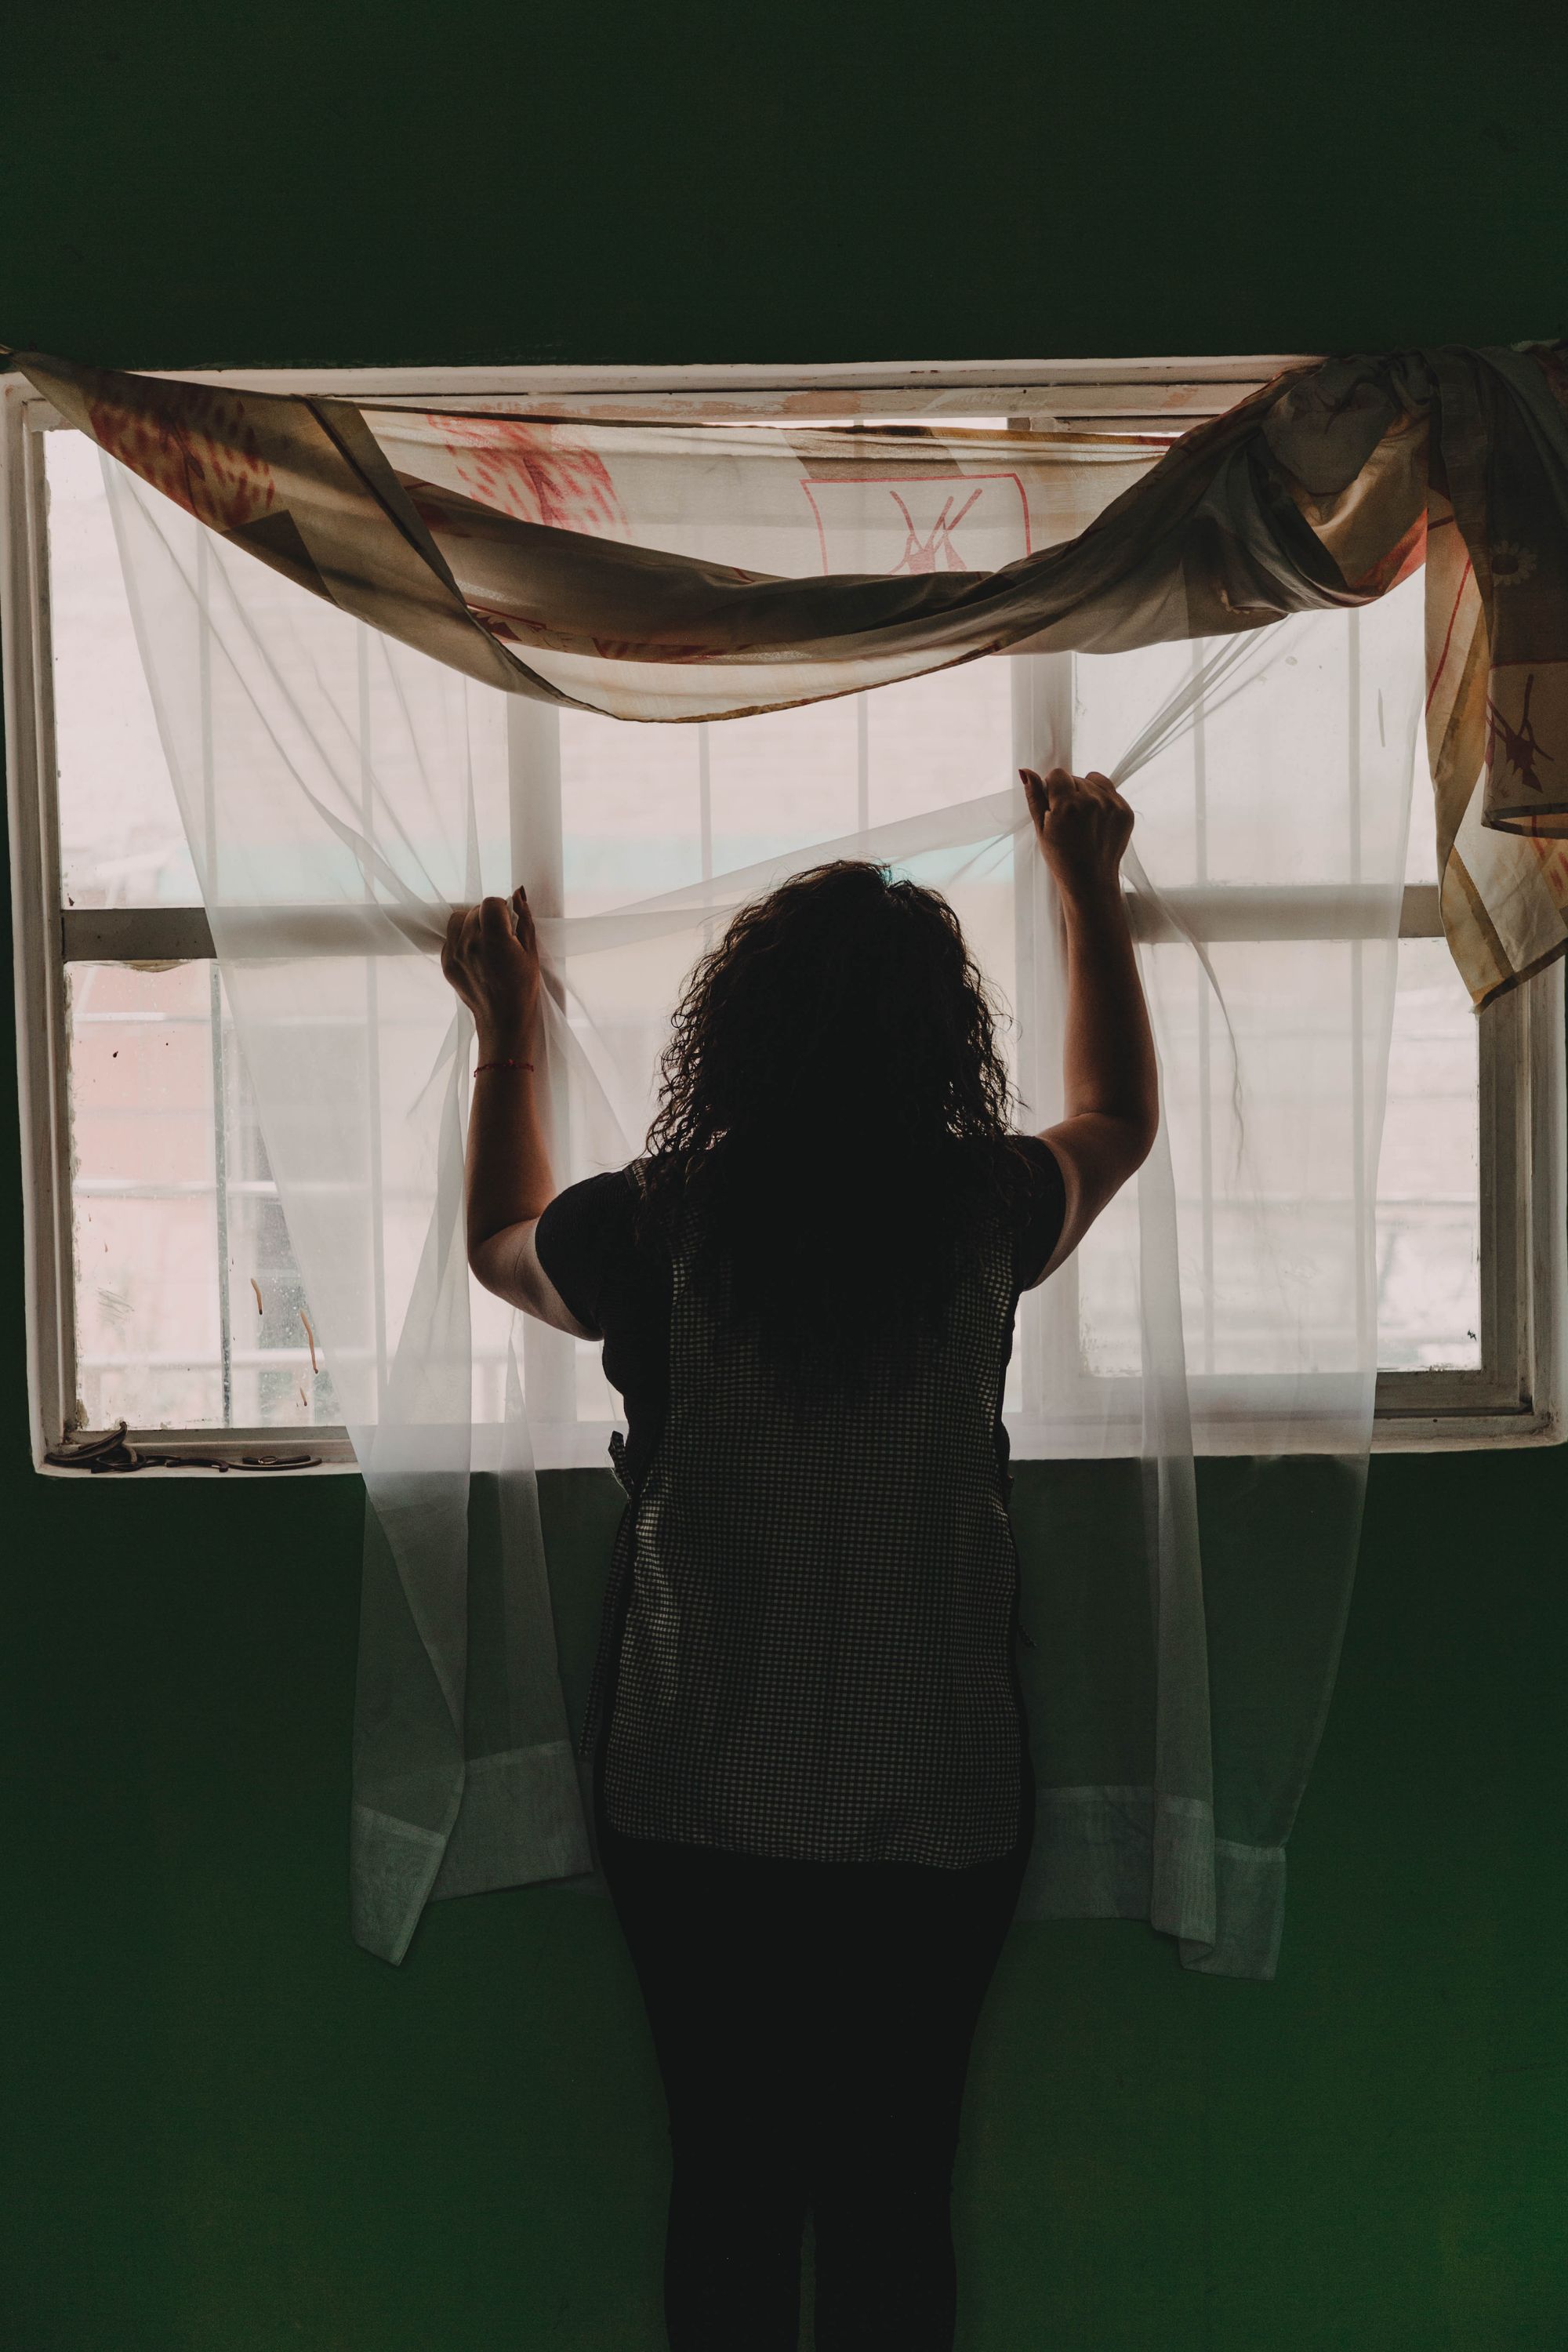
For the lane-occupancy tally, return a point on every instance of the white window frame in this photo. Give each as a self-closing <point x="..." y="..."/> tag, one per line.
<point x="1515" y="1398"/>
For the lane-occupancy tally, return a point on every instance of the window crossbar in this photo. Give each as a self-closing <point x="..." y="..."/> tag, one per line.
<point x="1218" y="912"/>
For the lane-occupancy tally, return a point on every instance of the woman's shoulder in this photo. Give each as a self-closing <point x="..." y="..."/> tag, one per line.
<point x="590" y="1221"/>
<point x="1035" y="1156"/>
<point x="1020" y="1199"/>
<point x="1037" y="1204"/>
<point x="1019" y="1166"/>
<point x="609" y="1196"/>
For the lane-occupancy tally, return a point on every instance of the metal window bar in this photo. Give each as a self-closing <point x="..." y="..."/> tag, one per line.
<point x="533" y="783"/>
<point x="373" y="1036"/>
<point x="220" y="1188"/>
<point x="1216" y="911"/>
<point x="1042" y="696"/>
<point x="211" y="884"/>
<point x="705" y="799"/>
<point x="1364" y="1178"/>
<point x="1200" y="980"/>
<point x="705" y="818"/>
<point x="1504" y="1166"/>
<point x="43" y="1021"/>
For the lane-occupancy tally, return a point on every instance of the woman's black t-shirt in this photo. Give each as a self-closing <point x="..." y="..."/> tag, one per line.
<point x="805" y="1642"/>
<point x="587" y="1243"/>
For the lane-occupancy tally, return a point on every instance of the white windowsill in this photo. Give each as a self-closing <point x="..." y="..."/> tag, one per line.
<point x="584" y="1446"/>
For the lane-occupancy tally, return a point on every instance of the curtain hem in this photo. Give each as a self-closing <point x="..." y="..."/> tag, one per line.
<point x="391" y="1868"/>
<point x="521" y="1820"/>
<point x="517" y="1820"/>
<point x="1111" y="1852"/>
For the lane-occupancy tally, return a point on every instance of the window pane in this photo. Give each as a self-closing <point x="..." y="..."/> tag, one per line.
<point x="647" y="809"/>
<point x="122" y="841"/>
<point x="163" y="1342"/>
<point x="947" y="737"/>
<point x="1428" y="1198"/>
<point x="1321" y="727"/>
<point x="1421" y="848"/>
<point x="1258" y="1098"/>
<point x="1428" y="1184"/>
<point x="159" y="1345"/>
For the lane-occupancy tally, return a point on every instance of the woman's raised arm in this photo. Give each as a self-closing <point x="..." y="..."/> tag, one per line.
<point x="1110" y="1081"/>
<point x="492" y="958"/>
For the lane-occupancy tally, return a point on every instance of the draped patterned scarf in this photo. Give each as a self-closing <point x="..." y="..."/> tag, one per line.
<point x="499" y="545"/>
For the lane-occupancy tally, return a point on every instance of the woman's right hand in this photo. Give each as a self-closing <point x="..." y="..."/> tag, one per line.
<point x="492" y="958"/>
<point x="1083" y="826"/>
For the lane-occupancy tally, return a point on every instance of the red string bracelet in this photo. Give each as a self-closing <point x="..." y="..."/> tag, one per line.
<point x="502" y="1066"/>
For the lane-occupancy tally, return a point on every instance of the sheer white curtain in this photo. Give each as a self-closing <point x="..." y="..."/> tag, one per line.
<point x="341" y="792"/>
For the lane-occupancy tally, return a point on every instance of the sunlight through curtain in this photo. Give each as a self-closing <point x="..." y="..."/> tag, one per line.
<point x="341" y="790"/>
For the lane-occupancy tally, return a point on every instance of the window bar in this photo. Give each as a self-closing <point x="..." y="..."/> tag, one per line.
<point x="1042" y="692"/>
<point x="215" y="983"/>
<point x="533" y="785"/>
<point x="44" y="1024"/>
<point x="220" y="1187"/>
<point x="204" y="689"/>
<point x="705" y="816"/>
<point x="1501" y="1067"/>
<point x="373" y="1039"/>
<point x="1205" y="1105"/>
<point x="220" y="1184"/>
<point x="1363" y="1337"/>
<point x="705" y="798"/>
<point x="862" y="763"/>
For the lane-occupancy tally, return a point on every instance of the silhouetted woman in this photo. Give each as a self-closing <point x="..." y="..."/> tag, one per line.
<point x="813" y="1796"/>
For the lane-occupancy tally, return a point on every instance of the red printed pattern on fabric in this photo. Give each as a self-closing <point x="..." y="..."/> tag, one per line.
<point x="521" y="470"/>
<point x="1520" y="746"/>
<point x="919" y="521"/>
<point x="203" y="454"/>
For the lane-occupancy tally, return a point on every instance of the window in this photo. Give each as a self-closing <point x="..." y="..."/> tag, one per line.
<point x="161" y="1285"/>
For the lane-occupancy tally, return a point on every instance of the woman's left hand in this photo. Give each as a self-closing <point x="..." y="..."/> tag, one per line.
<point x="492" y="958"/>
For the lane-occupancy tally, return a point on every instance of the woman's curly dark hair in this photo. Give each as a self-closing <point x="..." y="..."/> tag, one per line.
<point x="835" y="1114"/>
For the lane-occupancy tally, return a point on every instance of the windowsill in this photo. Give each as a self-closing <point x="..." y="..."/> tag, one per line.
<point x="198" y="1470"/>
<point x="1465" y="1432"/>
<point x="584" y="1446"/>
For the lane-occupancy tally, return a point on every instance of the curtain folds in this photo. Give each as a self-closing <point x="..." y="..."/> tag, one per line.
<point x="347" y="771"/>
<point x="341" y="790"/>
<point x="635" y="571"/>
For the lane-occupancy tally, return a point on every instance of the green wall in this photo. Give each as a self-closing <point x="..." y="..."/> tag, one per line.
<point x="820" y="181"/>
<point x="226" y="2129"/>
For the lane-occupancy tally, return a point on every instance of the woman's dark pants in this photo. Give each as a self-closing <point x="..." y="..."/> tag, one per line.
<point x="813" y="2023"/>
